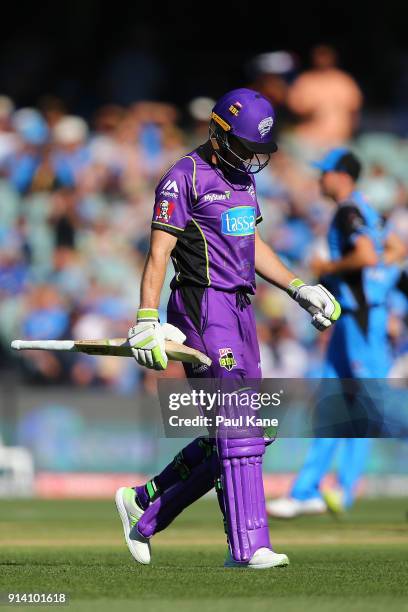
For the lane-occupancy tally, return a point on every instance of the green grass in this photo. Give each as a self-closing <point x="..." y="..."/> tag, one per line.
<point x="358" y="563"/>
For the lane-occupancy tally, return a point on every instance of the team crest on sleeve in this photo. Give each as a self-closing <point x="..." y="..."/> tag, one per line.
<point x="227" y="359"/>
<point x="164" y="210"/>
<point x="264" y="126"/>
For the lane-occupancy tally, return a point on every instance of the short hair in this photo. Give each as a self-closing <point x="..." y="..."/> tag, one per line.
<point x="349" y="164"/>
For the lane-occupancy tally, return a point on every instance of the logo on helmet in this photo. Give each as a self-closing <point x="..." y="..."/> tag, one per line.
<point x="264" y="126"/>
<point x="235" y="108"/>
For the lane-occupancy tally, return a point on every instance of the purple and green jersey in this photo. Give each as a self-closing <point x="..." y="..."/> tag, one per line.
<point x="214" y="219"/>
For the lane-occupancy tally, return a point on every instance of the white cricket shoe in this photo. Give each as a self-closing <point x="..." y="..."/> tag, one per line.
<point x="263" y="558"/>
<point x="130" y="513"/>
<point x="288" y="507"/>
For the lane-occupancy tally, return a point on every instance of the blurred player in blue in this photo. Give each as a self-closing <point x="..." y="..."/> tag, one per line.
<point x="360" y="275"/>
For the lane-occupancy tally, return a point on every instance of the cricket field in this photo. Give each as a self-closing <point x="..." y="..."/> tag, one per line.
<point x="357" y="563"/>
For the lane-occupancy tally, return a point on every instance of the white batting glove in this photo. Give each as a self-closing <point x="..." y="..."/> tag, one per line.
<point x="318" y="302"/>
<point x="171" y="332"/>
<point x="146" y="339"/>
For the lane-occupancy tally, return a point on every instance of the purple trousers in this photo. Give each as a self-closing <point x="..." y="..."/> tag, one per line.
<point x="221" y="325"/>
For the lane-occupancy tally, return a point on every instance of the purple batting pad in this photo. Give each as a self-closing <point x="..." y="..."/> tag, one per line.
<point x="244" y="498"/>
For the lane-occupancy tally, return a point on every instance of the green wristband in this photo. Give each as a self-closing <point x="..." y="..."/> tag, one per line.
<point x="147" y="314"/>
<point x="294" y="286"/>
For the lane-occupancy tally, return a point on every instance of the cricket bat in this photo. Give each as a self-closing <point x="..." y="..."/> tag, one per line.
<point x="118" y="347"/>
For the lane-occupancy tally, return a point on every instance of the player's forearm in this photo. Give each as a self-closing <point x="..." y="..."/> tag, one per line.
<point x="363" y="255"/>
<point x="395" y="250"/>
<point x="269" y="266"/>
<point x="349" y="263"/>
<point x="152" y="281"/>
<point x="154" y="273"/>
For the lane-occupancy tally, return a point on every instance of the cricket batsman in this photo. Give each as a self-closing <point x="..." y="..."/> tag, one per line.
<point x="205" y="219"/>
<point x="361" y="274"/>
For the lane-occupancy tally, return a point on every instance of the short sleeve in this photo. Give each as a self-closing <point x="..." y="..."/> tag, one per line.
<point x="258" y="216"/>
<point x="174" y="199"/>
<point x="350" y="223"/>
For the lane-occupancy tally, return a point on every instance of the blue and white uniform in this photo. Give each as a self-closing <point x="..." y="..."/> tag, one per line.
<point x="358" y="347"/>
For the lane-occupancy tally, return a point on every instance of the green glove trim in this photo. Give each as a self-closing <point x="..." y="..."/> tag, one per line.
<point x="337" y="311"/>
<point x="294" y="286"/>
<point x="337" y="308"/>
<point x="158" y="357"/>
<point x="147" y="314"/>
<point x="144" y="342"/>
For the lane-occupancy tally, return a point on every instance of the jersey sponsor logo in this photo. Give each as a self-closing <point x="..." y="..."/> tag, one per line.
<point x="164" y="210"/>
<point x="210" y="197"/>
<point x="227" y="359"/>
<point x="170" y="189"/>
<point x="171" y="186"/>
<point x="238" y="221"/>
<point x="264" y="126"/>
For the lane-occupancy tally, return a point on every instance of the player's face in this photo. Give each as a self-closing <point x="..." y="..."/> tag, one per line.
<point x="239" y="149"/>
<point x="234" y="154"/>
<point x="250" y="159"/>
<point x="329" y="182"/>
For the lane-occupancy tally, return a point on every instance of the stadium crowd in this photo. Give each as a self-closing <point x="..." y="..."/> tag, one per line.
<point x="76" y="202"/>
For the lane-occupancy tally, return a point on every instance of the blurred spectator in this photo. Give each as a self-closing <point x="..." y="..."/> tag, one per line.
<point x="64" y="217"/>
<point x="281" y="355"/>
<point x="200" y="111"/>
<point x="14" y="269"/>
<point x="28" y="166"/>
<point x="381" y="189"/>
<point x="46" y="316"/>
<point x="271" y="74"/>
<point x="8" y="139"/>
<point x="52" y="109"/>
<point x="71" y="153"/>
<point x="326" y="101"/>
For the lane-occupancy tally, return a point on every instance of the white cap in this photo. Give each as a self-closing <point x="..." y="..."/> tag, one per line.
<point x="70" y="130"/>
<point x="200" y="108"/>
<point x="275" y="62"/>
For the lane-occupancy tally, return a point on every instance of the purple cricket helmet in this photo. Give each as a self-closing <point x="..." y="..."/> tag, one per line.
<point x="241" y="130"/>
<point x="249" y="116"/>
